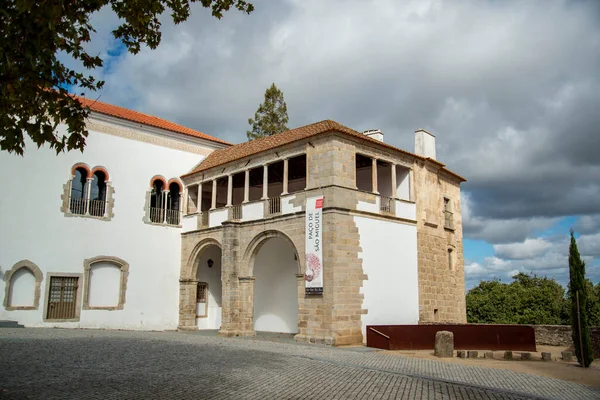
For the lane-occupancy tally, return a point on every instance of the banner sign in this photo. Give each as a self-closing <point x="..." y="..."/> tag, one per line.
<point x="314" y="246"/>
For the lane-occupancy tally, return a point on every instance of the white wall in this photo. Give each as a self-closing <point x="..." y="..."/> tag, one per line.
<point x="276" y="288"/>
<point x="34" y="228"/>
<point x="217" y="217"/>
<point x="22" y="288"/>
<point x="369" y="207"/>
<point x="212" y="276"/>
<point x="406" y="210"/>
<point x="287" y="204"/>
<point x="389" y="254"/>
<point x="105" y="282"/>
<point x="253" y="211"/>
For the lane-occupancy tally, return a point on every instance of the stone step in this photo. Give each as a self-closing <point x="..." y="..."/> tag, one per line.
<point x="10" y="324"/>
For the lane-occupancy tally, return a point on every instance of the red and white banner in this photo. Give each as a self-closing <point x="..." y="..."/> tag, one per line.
<point x="314" y="246"/>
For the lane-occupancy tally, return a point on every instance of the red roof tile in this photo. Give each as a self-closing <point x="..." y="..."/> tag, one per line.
<point x="135" y="116"/>
<point x="239" y="151"/>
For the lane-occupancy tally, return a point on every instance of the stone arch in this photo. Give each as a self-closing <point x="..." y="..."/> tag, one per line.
<point x="258" y="241"/>
<point x="192" y="265"/>
<point x="159" y="178"/>
<point x="38" y="275"/>
<point x="103" y="170"/>
<point x="124" y="268"/>
<point x="81" y="165"/>
<point x="177" y="182"/>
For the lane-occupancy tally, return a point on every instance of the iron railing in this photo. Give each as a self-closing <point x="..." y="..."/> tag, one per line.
<point x="62" y="297"/>
<point x="157" y="215"/>
<point x="236" y="212"/>
<point x="204" y="219"/>
<point x="97" y="208"/>
<point x="386" y="204"/>
<point x="78" y="205"/>
<point x="172" y="217"/>
<point x="274" y="205"/>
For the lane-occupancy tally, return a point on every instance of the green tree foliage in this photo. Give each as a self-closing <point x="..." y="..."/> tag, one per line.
<point x="528" y="299"/>
<point x="578" y="295"/>
<point x="271" y="116"/>
<point x="33" y="80"/>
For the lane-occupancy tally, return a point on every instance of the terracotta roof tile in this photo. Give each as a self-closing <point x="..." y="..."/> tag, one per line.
<point x="135" y="116"/>
<point x="239" y="151"/>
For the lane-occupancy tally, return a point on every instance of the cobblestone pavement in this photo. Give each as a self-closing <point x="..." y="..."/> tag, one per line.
<point x="88" y="364"/>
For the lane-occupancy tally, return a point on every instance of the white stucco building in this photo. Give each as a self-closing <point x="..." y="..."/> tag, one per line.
<point x="318" y="231"/>
<point x="90" y="220"/>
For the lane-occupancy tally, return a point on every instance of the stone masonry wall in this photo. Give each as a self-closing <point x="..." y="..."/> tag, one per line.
<point x="335" y="316"/>
<point x="441" y="288"/>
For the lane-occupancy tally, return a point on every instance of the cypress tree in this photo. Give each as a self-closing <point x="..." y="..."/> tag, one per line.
<point x="583" y="346"/>
<point x="271" y="116"/>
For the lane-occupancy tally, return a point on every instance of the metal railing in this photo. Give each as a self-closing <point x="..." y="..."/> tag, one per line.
<point x="386" y="204"/>
<point x="173" y="217"/>
<point x="204" y="218"/>
<point x="274" y="205"/>
<point x="448" y="219"/>
<point x="78" y="205"/>
<point x="236" y="212"/>
<point x="97" y="208"/>
<point x="157" y="215"/>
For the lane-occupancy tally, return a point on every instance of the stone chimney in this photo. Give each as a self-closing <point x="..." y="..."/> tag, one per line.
<point x="374" y="134"/>
<point x="424" y="143"/>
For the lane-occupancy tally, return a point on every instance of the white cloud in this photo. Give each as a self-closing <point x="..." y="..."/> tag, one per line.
<point x="530" y="248"/>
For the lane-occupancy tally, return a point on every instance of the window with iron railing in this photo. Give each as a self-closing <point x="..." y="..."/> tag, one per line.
<point x="164" y="203"/>
<point x="386" y="204"/>
<point x="88" y="193"/>
<point x="236" y="212"/>
<point x="274" y="206"/>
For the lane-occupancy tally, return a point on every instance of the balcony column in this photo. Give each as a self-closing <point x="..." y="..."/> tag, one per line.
<point x="213" y="203"/>
<point x="265" y="195"/>
<point x="394" y="187"/>
<point x="374" y="175"/>
<point x="246" y="186"/>
<point x="88" y="195"/>
<point x="411" y="185"/>
<point x="229" y="190"/>
<point x="165" y="195"/>
<point x="285" y="176"/>
<point x="199" y="199"/>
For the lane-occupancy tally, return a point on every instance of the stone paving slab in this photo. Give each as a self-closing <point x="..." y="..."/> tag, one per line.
<point x="60" y="363"/>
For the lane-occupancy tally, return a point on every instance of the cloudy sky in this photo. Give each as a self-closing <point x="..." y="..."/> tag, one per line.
<point x="511" y="89"/>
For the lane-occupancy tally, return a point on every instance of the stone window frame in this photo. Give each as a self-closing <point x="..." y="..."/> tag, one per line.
<point x="39" y="276"/>
<point x="124" y="268"/>
<point x="166" y="184"/>
<point x="448" y="213"/>
<point x="65" y="207"/>
<point x="49" y="276"/>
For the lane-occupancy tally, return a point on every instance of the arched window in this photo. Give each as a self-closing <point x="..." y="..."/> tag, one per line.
<point x="22" y="290"/>
<point x="173" y="203"/>
<point x="78" y="203"/>
<point x="98" y="194"/>
<point x="163" y="201"/>
<point x="157" y="201"/>
<point x="105" y="282"/>
<point x="88" y="193"/>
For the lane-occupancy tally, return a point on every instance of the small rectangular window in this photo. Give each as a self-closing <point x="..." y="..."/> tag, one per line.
<point x="450" y="261"/>
<point x="448" y="215"/>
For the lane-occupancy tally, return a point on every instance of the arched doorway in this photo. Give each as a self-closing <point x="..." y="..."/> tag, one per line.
<point x="276" y="287"/>
<point x="208" y="295"/>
